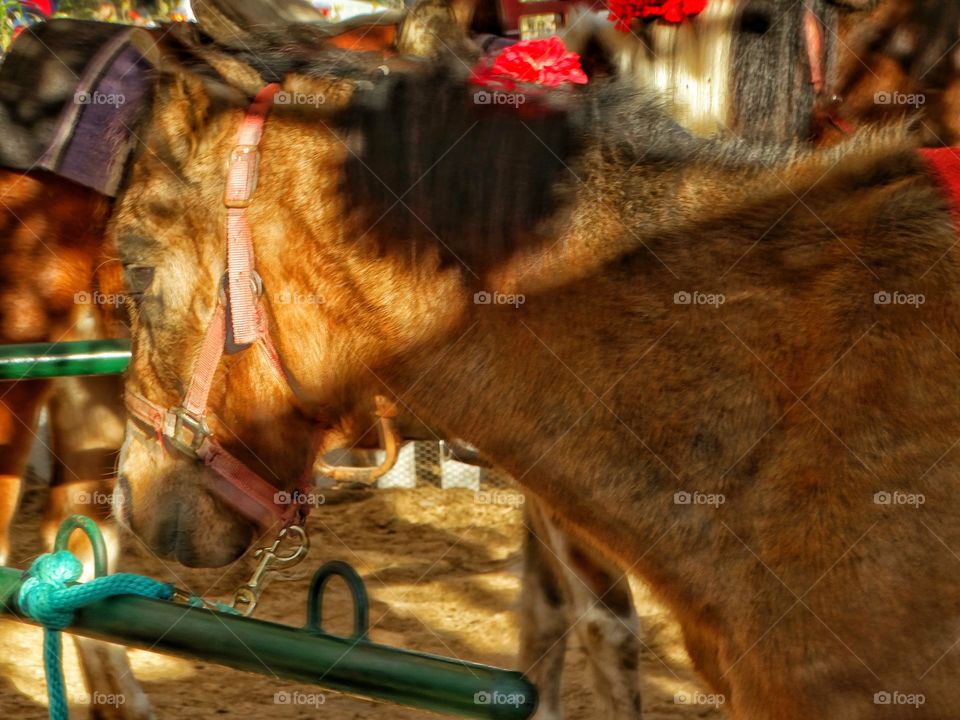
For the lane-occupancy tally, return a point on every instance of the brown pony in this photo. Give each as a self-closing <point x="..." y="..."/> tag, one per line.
<point x="759" y="349"/>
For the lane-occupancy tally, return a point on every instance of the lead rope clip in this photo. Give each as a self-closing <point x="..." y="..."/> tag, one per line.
<point x="270" y="559"/>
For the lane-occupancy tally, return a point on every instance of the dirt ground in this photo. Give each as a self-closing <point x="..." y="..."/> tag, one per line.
<point x="443" y="576"/>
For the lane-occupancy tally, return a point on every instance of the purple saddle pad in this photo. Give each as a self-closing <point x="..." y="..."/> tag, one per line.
<point x="71" y="95"/>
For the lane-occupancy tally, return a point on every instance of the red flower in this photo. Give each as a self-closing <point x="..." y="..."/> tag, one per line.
<point x="541" y="62"/>
<point x="672" y="11"/>
<point x="41" y="7"/>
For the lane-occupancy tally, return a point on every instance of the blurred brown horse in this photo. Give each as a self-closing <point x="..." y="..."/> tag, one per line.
<point x="60" y="281"/>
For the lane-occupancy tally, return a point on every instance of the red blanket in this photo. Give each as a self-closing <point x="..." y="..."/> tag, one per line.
<point x="944" y="164"/>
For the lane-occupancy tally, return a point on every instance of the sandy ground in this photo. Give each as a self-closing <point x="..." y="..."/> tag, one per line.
<point x="443" y="576"/>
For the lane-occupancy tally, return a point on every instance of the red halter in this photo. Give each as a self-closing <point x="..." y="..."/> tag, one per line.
<point x="185" y="426"/>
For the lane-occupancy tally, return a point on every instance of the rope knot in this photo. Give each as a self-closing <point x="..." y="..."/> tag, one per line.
<point x="42" y="591"/>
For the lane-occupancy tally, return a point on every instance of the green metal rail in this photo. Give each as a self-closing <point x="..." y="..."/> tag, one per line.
<point x="48" y="360"/>
<point x="350" y="665"/>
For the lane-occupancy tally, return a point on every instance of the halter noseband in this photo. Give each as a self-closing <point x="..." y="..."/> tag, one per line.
<point x="184" y="426"/>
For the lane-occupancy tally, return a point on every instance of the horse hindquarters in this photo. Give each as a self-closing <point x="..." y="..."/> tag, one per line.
<point x="567" y="586"/>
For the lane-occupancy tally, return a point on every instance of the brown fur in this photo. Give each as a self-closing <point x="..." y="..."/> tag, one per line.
<point x="797" y="399"/>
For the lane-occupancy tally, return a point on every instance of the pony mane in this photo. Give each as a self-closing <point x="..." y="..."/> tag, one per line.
<point x="434" y="165"/>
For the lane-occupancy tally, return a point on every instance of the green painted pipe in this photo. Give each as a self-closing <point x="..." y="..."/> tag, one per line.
<point x="46" y="360"/>
<point x="348" y="665"/>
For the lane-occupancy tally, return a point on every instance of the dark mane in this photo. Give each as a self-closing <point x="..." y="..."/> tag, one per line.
<point x="433" y="166"/>
<point x="433" y="163"/>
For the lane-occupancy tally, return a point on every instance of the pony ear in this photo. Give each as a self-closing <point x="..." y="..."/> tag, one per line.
<point x="232" y="23"/>
<point x="432" y="28"/>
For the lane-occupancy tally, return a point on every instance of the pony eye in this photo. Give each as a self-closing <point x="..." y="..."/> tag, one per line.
<point x="138" y="278"/>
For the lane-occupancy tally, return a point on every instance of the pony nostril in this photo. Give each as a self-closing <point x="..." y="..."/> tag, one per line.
<point x="174" y="533"/>
<point x="178" y="535"/>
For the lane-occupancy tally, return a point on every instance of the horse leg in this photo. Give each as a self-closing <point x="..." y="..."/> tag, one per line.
<point x="20" y="405"/>
<point x="86" y="423"/>
<point x="609" y="629"/>
<point x="600" y="610"/>
<point x="543" y="621"/>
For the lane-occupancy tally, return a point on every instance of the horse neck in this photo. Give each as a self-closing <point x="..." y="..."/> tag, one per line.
<point x="587" y="366"/>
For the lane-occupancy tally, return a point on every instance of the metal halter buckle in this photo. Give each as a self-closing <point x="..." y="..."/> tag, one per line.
<point x="256" y="284"/>
<point x="197" y="426"/>
<point x="242" y="174"/>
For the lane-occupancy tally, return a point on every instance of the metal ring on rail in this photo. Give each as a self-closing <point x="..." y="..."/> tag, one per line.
<point x="89" y="528"/>
<point x="361" y="603"/>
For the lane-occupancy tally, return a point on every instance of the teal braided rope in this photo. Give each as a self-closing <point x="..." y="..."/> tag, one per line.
<point x="50" y="595"/>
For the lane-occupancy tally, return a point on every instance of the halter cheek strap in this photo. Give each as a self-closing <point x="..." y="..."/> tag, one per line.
<point x="184" y="427"/>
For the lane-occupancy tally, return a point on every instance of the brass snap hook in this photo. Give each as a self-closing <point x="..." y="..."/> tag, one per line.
<point x="270" y="558"/>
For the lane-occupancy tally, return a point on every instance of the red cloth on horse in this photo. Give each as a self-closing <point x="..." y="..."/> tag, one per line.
<point x="944" y="164"/>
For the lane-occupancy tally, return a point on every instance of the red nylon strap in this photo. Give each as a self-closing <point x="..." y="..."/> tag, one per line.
<point x="242" y="176"/>
<point x="146" y="411"/>
<point x="244" y="489"/>
<point x="195" y="401"/>
<point x="239" y="486"/>
<point x="944" y="165"/>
